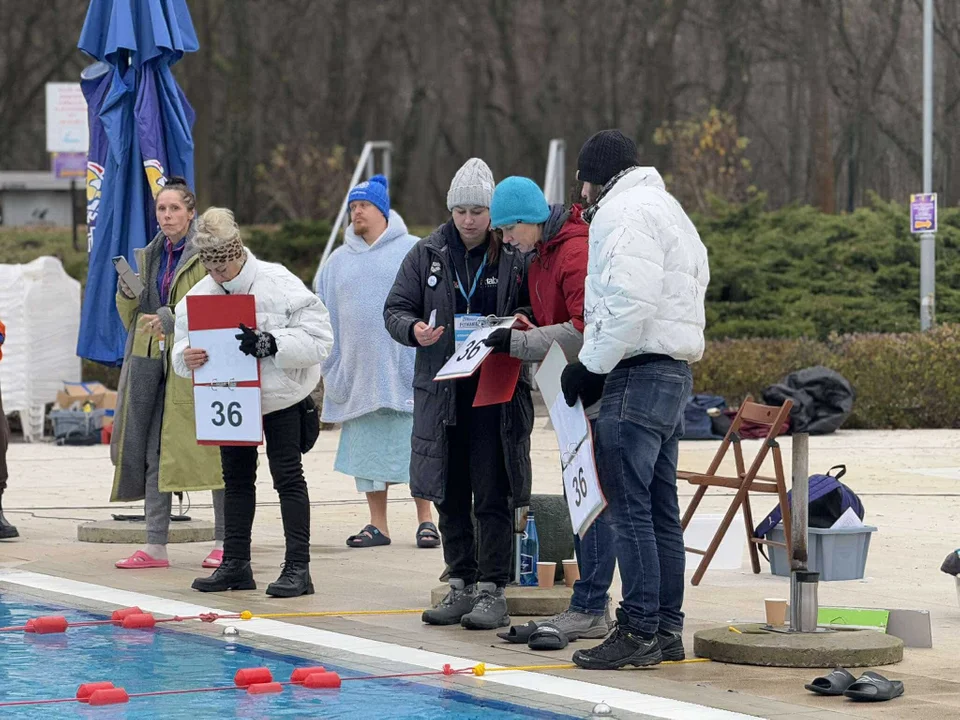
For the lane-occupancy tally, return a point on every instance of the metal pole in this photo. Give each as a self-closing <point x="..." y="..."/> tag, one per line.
<point x="798" y="518"/>
<point x="927" y="240"/>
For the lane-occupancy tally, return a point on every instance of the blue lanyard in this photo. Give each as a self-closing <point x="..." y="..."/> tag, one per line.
<point x="476" y="279"/>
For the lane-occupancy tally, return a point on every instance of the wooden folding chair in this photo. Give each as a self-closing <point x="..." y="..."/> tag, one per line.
<point x="747" y="481"/>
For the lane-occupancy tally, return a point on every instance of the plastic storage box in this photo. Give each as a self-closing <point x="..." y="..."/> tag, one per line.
<point x="69" y="422"/>
<point x="835" y="554"/>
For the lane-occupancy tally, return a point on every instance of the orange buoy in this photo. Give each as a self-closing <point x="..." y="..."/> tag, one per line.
<point x="246" y="677"/>
<point x="29" y="626"/>
<point x="264" y="688"/>
<point x="301" y="674"/>
<point x="119" y="615"/>
<point x="139" y="621"/>
<point x="87" y="689"/>
<point x="109" y="696"/>
<point x="49" y="624"/>
<point x="317" y="681"/>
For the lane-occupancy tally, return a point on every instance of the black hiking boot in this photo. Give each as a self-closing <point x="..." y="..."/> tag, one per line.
<point x="231" y="575"/>
<point x="7" y="531"/>
<point x="624" y="647"/>
<point x="294" y="581"/>
<point x="671" y="645"/>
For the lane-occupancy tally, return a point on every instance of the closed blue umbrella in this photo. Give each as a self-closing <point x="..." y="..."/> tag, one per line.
<point x="146" y="123"/>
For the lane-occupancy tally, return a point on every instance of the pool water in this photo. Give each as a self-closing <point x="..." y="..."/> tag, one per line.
<point x="52" y="666"/>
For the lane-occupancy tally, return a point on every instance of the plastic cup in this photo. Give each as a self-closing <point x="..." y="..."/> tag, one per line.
<point x="776" y="612"/>
<point x="571" y="572"/>
<point x="546" y="572"/>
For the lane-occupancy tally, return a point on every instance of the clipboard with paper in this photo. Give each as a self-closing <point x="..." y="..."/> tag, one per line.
<point x="585" y="499"/>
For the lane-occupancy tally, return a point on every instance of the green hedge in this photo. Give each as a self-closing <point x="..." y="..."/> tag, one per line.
<point x="907" y="380"/>
<point x="796" y="272"/>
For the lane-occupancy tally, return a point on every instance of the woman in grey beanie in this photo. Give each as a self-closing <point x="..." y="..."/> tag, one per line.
<point x="464" y="455"/>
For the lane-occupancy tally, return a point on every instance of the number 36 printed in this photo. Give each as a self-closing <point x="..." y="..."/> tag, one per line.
<point x="233" y="415"/>
<point x="579" y="486"/>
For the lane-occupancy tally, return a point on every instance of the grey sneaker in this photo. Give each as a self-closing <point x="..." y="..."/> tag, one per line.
<point x="576" y="625"/>
<point x="489" y="609"/>
<point x="458" y="602"/>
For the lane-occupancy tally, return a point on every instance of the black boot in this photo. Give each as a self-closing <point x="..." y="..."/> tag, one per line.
<point x="231" y="575"/>
<point x="7" y="531"/>
<point x="294" y="581"/>
<point x="624" y="647"/>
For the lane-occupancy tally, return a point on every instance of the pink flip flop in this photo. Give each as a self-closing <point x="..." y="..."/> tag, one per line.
<point x="213" y="560"/>
<point x="141" y="561"/>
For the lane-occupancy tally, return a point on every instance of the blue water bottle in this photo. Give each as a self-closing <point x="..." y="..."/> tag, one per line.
<point x="529" y="553"/>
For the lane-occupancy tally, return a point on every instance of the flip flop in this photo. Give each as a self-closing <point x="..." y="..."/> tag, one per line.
<point x="872" y="687"/>
<point x="141" y="561"/>
<point x="213" y="560"/>
<point x="428" y="536"/>
<point x="547" y="637"/>
<point x="519" y="634"/>
<point x="370" y="536"/>
<point x="833" y="684"/>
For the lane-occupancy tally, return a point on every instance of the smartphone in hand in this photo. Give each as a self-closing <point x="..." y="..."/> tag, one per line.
<point x="129" y="276"/>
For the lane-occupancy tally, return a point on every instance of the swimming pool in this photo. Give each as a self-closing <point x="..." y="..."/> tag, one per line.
<point x="53" y="666"/>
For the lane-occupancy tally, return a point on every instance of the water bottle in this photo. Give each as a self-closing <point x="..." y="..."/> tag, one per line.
<point x="529" y="553"/>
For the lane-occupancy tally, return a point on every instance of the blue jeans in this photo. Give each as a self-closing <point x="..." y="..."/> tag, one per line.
<point x="637" y="441"/>
<point x="597" y="559"/>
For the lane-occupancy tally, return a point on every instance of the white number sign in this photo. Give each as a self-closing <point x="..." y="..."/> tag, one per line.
<point x="468" y="356"/>
<point x="584" y="499"/>
<point x="228" y="415"/>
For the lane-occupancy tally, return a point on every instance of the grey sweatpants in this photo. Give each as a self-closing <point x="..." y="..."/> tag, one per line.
<point x="156" y="504"/>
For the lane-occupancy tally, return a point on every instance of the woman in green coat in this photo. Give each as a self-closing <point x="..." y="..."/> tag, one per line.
<point x="154" y="446"/>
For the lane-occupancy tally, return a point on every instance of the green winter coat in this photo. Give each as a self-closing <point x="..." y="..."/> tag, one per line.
<point x="184" y="465"/>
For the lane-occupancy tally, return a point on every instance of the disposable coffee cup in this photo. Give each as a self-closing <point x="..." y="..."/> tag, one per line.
<point x="571" y="572"/>
<point x="546" y="572"/>
<point x="776" y="612"/>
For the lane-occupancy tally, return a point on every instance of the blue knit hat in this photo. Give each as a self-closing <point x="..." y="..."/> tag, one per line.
<point x="518" y="200"/>
<point x="374" y="191"/>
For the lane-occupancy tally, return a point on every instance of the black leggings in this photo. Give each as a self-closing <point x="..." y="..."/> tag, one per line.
<point x="281" y="431"/>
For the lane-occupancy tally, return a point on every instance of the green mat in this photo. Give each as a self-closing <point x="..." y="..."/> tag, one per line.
<point x="854" y="618"/>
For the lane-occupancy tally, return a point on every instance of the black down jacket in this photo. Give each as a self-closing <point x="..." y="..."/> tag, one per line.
<point x="822" y="399"/>
<point x="410" y="301"/>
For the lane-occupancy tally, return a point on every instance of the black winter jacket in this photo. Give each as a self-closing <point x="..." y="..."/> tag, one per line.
<point x="410" y="301"/>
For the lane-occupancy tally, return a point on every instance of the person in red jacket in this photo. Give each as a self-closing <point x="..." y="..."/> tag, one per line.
<point x="558" y="237"/>
<point x="7" y="531"/>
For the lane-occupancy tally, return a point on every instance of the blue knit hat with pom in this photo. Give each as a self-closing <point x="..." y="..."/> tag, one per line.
<point x="518" y="200"/>
<point x="374" y="191"/>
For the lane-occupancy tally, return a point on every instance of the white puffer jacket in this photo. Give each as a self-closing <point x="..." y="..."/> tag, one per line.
<point x="287" y="310"/>
<point x="647" y="276"/>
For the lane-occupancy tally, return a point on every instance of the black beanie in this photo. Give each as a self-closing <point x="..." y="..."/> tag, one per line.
<point x="604" y="155"/>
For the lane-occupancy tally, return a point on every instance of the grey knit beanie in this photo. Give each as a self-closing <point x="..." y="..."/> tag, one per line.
<point x="472" y="185"/>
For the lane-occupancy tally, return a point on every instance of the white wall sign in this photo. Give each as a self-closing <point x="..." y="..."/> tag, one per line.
<point x="67" y="129"/>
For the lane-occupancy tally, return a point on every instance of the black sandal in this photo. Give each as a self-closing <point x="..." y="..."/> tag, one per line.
<point x="872" y="687"/>
<point x="428" y="536"/>
<point x="833" y="685"/>
<point x="370" y="536"/>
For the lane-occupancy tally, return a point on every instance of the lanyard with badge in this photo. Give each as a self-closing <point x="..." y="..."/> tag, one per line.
<point x="464" y="324"/>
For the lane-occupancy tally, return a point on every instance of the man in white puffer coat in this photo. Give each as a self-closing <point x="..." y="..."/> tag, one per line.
<point x="647" y="276"/>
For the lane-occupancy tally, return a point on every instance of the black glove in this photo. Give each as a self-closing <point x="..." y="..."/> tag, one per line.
<point x="527" y="312"/>
<point x="258" y="343"/>
<point x="576" y="381"/>
<point x="499" y="340"/>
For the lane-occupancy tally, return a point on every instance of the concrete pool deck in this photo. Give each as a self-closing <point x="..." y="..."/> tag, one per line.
<point x="909" y="483"/>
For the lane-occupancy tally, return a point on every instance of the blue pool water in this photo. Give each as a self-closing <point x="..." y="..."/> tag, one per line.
<point x="52" y="666"/>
